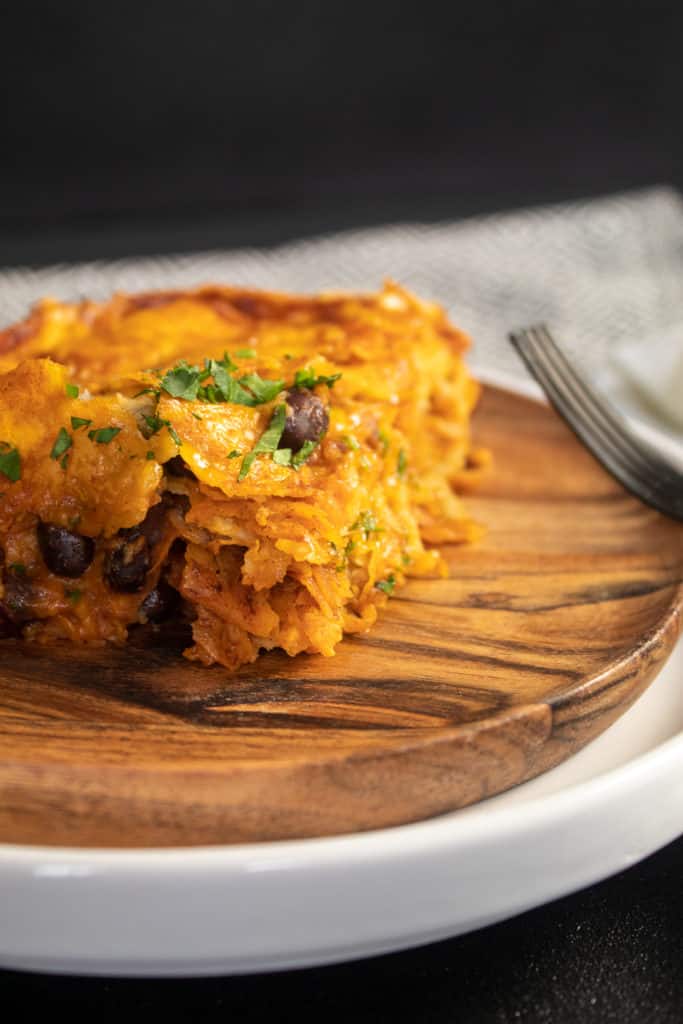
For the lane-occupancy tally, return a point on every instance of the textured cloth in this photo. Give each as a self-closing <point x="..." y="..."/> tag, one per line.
<point x="606" y="275"/>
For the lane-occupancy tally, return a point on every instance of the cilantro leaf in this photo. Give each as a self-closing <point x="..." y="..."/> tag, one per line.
<point x="227" y="362"/>
<point x="185" y="381"/>
<point x="78" y="421"/>
<point x="103" y="435"/>
<point x="387" y="585"/>
<point x="74" y="595"/>
<point x="182" y="382"/>
<point x="306" y="450"/>
<point x="221" y="377"/>
<point x="283" y="456"/>
<point x="10" y="462"/>
<point x="401" y="463"/>
<point x="71" y="390"/>
<point x="307" y="378"/>
<point x="63" y="442"/>
<point x="174" y="434"/>
<point x="245" y="353"/>
<point x="262" y="390"/>
<point x="147" y="391"/>
<point x="154" y="425"/>
<point x="367" y="523"/>
<point x="268" y="440"/>
<point x="225" y="388"/>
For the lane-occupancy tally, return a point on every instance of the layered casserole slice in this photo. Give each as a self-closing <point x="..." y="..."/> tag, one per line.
<point x="267" y="467"/>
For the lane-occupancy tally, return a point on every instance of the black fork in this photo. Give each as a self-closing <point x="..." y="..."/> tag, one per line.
<point x="604" y="432"/>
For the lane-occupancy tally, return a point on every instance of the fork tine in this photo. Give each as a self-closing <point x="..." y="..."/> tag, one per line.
<point x="601" y="410"/>
<point x="613" y="462"/>
<point x="634" y="476"/>
<point x="589" y="427"/>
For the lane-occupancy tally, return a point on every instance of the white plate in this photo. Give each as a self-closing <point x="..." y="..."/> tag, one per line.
<point x="290" y="904"/>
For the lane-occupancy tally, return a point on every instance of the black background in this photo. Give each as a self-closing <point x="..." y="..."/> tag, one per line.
<point x="164" y="124"/>
<point x="139" y="127"/>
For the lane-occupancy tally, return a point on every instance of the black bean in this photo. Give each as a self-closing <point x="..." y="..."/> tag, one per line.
<point x="178" y="467"/>
<point x="19" y="601"/>
<point x="126" y="565"/>
<point x="159" y="604"/>
<point x="65" y="553"/>
<point x="151" y="527"/>
<point x="307" y="419"/>
<point x="127" y="562"/>
<point x="7" y="626"/>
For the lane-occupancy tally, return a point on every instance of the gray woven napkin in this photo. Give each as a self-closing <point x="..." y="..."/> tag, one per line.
<point x="606" y="275"/>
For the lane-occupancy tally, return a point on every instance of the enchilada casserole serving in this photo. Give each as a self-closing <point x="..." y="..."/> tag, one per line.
<point x="267" y="467"/>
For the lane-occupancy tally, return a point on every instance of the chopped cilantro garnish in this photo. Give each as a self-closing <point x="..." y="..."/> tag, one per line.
<point x="262" y="390"/>
<point x="197" y="416"/>
<point x="283" y="456"/>
<point x="307" y="378"/>
<point x="10" y="462"/>
<point x="268" y="440"/>
<point x="401" y="463"/>
<point x="188" y="382"/>
<point x="245" y="353"/>
<point x="154" y="424"/>
<point x="225" y="388"/>
<point x="74" y="595"/>
<point x="182" y="381"/>
<point x="306" y="450"/>
<point x="149" y="456"/>
<point x="350" y="442"/>
<point x="406" y="559"/>
<point x="174" y="434"/>
<point x="63" y="442"/>
<point x="147" y="391"/>
<point x="78" y="421"/>
<point x="367" y="523"/>
<point x="387" y="585"/>
<point x="227" y="362"/>
<point x="222" y="380"/>
<point x="71" y="390"/>
<point x="384" y="441"/>
<point x="234" y="454"/>
<point x="17" y="567"/>
<point x="64" y="461"/>
<point x="103" y="435"/>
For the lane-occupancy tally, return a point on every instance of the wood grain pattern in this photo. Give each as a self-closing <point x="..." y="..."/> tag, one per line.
<point x="547" y="631"/>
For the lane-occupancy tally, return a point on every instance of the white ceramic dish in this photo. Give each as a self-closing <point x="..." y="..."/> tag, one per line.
<point x="291" y="904"/>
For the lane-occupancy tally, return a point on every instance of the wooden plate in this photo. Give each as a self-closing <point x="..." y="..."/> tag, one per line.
<point x="548" y="630"/>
